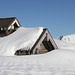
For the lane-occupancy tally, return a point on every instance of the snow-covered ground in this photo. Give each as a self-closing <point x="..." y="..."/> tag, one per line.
<point x="56" y="62"/>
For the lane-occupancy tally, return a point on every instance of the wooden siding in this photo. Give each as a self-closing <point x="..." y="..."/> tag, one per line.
<point x="49" y="38"/>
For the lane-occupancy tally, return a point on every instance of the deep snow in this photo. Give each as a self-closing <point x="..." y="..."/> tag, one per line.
<point x="56" y="62"/>
<point x="22" y="38"/>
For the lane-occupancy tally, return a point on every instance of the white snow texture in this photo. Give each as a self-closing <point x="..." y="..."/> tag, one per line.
<point x="23" y="37"/>
<point x="56" y="62"/>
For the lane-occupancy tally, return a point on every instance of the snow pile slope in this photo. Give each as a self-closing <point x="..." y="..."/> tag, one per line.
<point x="68" y="38"/>
<point x="57" y="62"/>
<point x="65" y="45"/>
<point x="23" y="37"/>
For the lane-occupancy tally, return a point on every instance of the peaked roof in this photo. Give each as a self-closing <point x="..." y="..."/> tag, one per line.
<point x="6" y="22"/>
<point x="45" y="31"/>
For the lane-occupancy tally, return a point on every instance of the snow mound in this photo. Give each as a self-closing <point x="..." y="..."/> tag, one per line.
<point x="23" y="37"/>
<point x="56" y="62"/>
<point x="65" y="45"/>
<point x="68" y="38"/>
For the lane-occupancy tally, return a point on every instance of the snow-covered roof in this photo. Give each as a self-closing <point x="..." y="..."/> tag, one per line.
<point x="23" y="37"/>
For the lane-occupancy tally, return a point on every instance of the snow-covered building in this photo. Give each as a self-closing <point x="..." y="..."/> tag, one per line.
<point x="42" y="44"/>
<point x="8" y="25"/>
<point x="24" y="41"/>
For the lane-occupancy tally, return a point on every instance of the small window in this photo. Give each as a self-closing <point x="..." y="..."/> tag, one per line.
<point x="8" y="30"/>
<point x="1" y="28"/>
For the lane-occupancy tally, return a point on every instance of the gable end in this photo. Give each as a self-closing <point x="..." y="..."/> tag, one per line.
<point x="46" y="40"/>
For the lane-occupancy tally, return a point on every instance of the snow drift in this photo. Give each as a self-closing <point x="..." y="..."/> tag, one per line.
<point x="68" y="38"/>
<point x="56" y="62"/>
<point x="23" y="37"/>
<point x="65" y="45"/>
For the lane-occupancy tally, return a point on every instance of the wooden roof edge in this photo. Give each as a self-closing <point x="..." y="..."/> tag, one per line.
<point x="9" y="18"/>
<point x="38" y="39"/>
<point x="44" y="30"/>
<point x="53" y="39"/>
<point x="12" y="20"/>
<point x="18" y="21"/>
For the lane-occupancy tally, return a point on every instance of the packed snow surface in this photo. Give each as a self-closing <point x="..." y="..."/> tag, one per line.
<point x="22" y="38"/>
<point x="56" y="62"/>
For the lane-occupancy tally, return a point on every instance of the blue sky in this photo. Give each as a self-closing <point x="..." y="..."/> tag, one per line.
<point x="56" y="15"/>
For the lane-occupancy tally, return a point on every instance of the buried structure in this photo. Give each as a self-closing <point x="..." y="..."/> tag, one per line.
<point x="43" y="44"/>
<point x="24" y="41"/>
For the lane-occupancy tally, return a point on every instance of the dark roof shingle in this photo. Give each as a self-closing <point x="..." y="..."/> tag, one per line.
<point x="5" y="22"/>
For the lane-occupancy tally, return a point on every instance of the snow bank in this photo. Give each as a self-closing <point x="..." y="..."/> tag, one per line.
<point x="68" y="38"/>
<point x="66" y="42"/>
<point x="57" y="62"/>
<point x="65" y="45"/>
<point x="23" y="37"/>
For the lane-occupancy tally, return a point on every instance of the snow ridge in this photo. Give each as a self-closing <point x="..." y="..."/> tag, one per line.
<point x="68" y="38"/>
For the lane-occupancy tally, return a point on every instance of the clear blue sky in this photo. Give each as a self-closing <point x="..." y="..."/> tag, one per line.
<point x="56" y="15"/>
